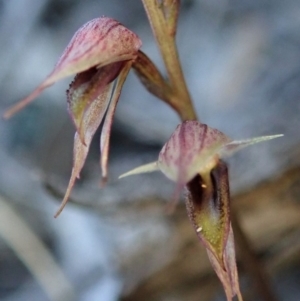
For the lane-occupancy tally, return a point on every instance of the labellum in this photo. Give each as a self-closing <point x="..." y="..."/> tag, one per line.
<point x="208" y="207"/>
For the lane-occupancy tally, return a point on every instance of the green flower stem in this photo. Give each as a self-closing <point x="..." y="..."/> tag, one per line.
<point x="166" y="42"/>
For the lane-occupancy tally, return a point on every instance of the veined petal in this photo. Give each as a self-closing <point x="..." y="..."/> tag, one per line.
<point x="91" y="121"/>
<point x="193" y="148"/>
<point x="236" y="145"/>
<point x="99" y="42"/>
<point x="150" y="167"/>
<point x="85" y="88"/>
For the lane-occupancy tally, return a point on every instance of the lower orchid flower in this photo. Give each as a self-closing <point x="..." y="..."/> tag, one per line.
<point x="192" y="157"/>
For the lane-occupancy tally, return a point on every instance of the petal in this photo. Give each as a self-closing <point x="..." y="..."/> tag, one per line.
<point x="193" y="148"/>
<point x="86" y="87"/>
<point x="150" y="167"/>
<point x="100" y="42"/>
<point x="236" y="145"/>
<point x="91" y="121"/>
<point x="106" y="130"/>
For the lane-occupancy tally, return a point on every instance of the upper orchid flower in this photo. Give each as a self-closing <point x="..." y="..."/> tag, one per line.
<point x="192" y="158"/>
<point x="101" y="54"/>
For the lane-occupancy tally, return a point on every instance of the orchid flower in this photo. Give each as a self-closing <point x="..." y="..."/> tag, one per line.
<point x="101" y="54"/>
<point x="192" y="157"/>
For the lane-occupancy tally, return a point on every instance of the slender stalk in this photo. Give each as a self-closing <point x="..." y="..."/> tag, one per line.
<point x="166" y="42"/>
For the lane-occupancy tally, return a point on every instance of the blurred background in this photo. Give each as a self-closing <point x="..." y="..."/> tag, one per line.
<point x="242" y="64"/>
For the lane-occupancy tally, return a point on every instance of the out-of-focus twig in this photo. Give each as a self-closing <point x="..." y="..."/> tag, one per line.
<point x="34" y="254"/>
<point x="286" y="254"/>
<point x="251" y="263"/>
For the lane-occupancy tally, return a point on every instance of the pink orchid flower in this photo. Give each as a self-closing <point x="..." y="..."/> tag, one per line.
<point x="192" y="157"/>
<point x="101" y="54"/>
